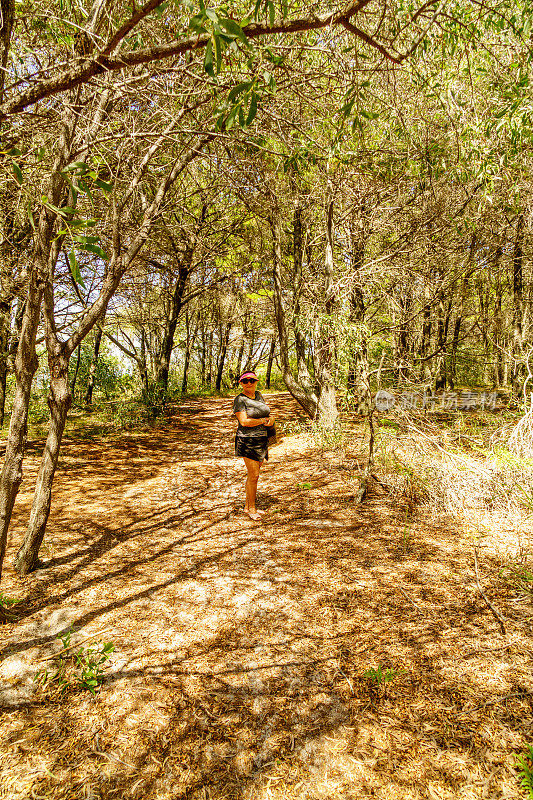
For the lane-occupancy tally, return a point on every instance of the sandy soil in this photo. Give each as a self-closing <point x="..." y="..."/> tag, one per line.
<point x="241" y="648"/>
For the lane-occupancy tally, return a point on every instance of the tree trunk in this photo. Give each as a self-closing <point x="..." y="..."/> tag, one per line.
<point x="425" y="342"/>
<point x="441" y="376"/>
<point x="7" y="8"/>
<point x="209" y="376"/>
<point x="188" y="348"/>
<point x="203" y="358"/>
<point x="5" y="321"/>
<point x="59" y="401"/>
<point x="484" y="324"/>
<point x="221" y="360"/>
<point x="270" y="361"/>
<point x="518" y="310"/>
<point x="75" y="376"/>
<point x="454" y="345"/>
<point x="46" y="249"/>
<point x="167" y="344"/>
<point x="299" y="334"/>
<point x="402" y="348"/>
<point x="25" y="367"/>
<point x="327" y="412"/>
<point x="498" y="321"/>
<point x="357" y="378"/>
<point x="94" y="363"/>
<point x="239" y="359"/>
<point x="58" y="353"/>
<point x="143" y="368"/>
<point x="306" y="398"/>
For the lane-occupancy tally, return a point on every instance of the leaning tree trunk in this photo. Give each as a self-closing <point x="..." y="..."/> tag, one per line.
<point x="59" y="354"/>
<point x="46" y="250"/>
<point x="25" y="367"/>
<point x="94" y="363"/>
<point x="59" y="400"/>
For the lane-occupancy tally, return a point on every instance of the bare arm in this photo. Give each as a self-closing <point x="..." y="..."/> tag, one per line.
<point x="247" y="422"/>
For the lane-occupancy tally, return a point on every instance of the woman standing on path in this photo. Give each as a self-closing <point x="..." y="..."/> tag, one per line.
<point x="251" y="441"/>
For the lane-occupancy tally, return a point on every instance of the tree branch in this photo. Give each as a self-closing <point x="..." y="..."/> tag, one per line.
<point x="83" y="71"/>
<point x="130" y="25"/>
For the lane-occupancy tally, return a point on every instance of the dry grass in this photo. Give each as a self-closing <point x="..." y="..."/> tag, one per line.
<point x="241" y="648"/>
<point x="466" y="470"/>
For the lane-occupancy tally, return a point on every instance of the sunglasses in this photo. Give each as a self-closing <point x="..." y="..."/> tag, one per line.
<point x="248" y="380"/>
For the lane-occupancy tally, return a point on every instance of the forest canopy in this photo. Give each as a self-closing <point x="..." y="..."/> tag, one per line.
<point x="337" y="195"/>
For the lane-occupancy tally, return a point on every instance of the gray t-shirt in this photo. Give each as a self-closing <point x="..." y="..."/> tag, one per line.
<point x="255" y="408"/>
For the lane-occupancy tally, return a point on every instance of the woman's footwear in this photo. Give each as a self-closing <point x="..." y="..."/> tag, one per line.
<point x="253" y="515"/>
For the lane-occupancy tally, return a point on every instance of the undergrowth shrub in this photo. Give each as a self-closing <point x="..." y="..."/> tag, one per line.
<point x="524" y="763"/>
<point x="518" y="575"/>
<point x="332" y="437"/>
<point x="455" y="470"/>
<point x="74" y="669"/>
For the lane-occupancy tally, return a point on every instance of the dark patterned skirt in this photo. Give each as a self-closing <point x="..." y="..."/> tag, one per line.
<point x="254" y="447"/>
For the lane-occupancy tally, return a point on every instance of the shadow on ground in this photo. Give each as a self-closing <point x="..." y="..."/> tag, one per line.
<point x="242" y="648"/>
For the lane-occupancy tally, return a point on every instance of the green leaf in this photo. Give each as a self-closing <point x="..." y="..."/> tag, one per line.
<point x="160" y="9"/>
<point x="30" y="217"/>
<point x="208" y="59"/>
<point x="218" y="53"/>
<point x="77" y="166"/>
<point x="231" y="118"/>
<point x="96" y="249"/>
<point x="252" y="111"/>
<point x="17" y="172"/>
<point x="368" y="114"/>
<point x="347" y="108"/>
<point x="106" y="187"/>
<point x="76" y="274"/>
<point x="271" y="13"/>
<point x="234" y="30"/>
<point x="196" y="24"/>
<point x="212" y="15"/>
<point x="239" y="89"/>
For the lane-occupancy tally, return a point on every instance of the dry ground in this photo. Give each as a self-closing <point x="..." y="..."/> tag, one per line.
<point x="241" y="647"/>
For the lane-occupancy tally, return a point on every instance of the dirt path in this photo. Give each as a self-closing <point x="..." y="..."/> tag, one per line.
<point x="241" y="648"/>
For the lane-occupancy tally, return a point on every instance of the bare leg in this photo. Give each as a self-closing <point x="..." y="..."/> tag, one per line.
<point x="253" y="468"/>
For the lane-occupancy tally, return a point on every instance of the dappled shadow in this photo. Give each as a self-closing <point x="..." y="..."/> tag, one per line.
<point x="242" y="648"/>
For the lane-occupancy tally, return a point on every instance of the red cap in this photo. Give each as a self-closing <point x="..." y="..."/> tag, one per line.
<point x="248" y="375"/>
